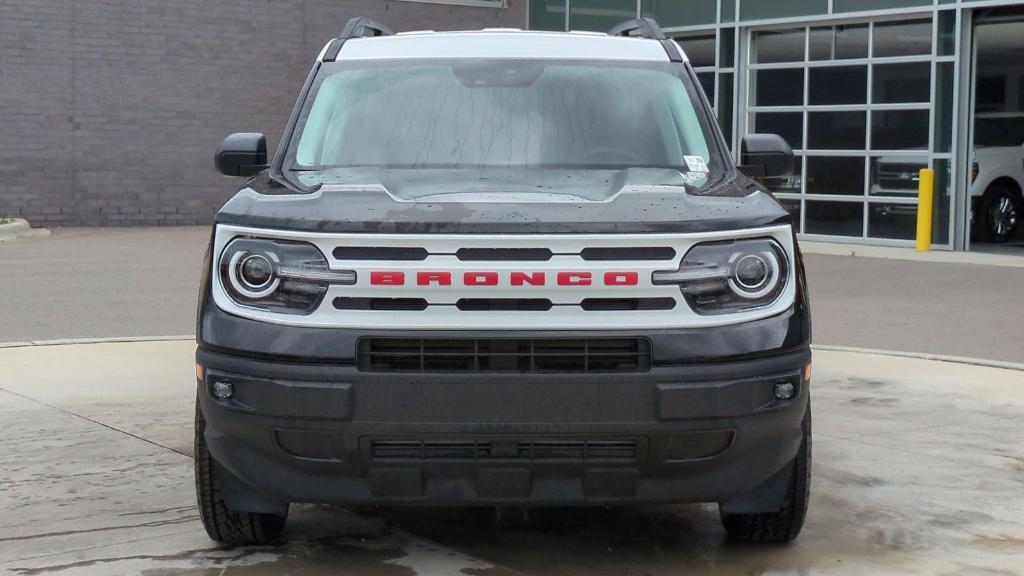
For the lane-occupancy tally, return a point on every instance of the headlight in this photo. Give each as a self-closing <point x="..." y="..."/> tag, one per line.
<point x="278" y="275"/>
<point x="732" y="276"/>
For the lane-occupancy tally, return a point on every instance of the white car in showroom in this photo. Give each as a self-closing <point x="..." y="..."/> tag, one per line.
<point x="997" y="176"/>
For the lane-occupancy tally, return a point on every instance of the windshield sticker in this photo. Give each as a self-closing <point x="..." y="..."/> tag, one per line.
<point x="696" y="164"/>
<point x="695" y="180"/>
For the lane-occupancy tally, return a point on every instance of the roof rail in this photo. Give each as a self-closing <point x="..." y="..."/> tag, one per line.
<point x="645" y="28"/>
<point x="356" y="28"/>
<point x="648" y="28"/>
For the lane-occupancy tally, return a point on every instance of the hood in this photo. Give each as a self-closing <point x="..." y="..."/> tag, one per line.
<point x="503" y="202"/>
<point x="502" y="185"/>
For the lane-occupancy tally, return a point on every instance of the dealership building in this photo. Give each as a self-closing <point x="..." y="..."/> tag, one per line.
<point x="111" y="109"/>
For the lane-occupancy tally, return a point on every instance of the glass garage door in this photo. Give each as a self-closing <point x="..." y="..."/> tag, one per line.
<point x="855" y="103"/>
<point x="712" y="55"/>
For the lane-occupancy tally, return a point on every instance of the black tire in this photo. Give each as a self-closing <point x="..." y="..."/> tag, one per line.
<point x="222" y="523"/>
<point x="785" y="524"/>
<point x="998" y="214"/>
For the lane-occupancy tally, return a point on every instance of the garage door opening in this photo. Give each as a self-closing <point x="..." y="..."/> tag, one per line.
<point x="996" y="215"/>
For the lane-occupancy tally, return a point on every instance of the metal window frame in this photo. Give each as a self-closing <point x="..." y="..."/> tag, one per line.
<point x="467" y="3"/>
<point x="868" y="108"/>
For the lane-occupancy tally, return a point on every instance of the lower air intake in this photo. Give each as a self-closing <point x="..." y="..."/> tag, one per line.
<point x="571" y="450"/>
<point x="596" y="355"/>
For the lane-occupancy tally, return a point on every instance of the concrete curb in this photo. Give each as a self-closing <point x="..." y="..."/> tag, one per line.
<point x="19" y="228"/>
<point x="14" y="229"/>
<point x="823" y="347"/>
<point x="909" y="255"/>
<point x="922" y="356"/>
<point x="74" y="341"/>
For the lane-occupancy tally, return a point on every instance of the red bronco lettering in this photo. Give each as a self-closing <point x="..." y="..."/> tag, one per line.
<point x="516" y="278"/>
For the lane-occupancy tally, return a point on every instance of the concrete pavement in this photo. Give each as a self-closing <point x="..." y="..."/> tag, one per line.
<point x="918" y="469"/>
<point x="938" y="308"/>
<point x="99" y="283"/>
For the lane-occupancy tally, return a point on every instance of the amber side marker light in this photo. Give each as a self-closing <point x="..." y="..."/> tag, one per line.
<point x="200" y="372"/>
<point x="807" y="372"/>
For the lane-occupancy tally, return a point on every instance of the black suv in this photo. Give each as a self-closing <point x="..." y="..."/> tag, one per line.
<point x="502" y="268"/>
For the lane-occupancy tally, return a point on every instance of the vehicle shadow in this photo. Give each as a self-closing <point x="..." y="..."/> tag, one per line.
<point x="612" y="540"/>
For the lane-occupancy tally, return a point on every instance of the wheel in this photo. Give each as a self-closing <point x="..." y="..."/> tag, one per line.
<point x="222" y="523"/>
<point x="996" y="220"/>
<point x="784" y="524"/>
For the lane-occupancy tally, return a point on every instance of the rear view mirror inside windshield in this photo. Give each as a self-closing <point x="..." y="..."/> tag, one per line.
<point x="484" y="74"/>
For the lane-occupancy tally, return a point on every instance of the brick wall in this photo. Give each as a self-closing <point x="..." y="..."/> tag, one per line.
<point x="110" y="110"/>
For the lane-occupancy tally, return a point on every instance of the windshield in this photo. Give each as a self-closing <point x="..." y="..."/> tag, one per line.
<point x="503" y="114"/>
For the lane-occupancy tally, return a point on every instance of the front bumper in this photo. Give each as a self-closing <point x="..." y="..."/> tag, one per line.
<point x="329" y="433"/>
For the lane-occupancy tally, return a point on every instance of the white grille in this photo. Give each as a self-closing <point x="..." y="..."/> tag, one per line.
<point x="457" y="306"/>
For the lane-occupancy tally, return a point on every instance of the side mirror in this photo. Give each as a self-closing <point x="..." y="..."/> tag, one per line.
<point x="766" y="156"/>
<point x="243" y="154"/>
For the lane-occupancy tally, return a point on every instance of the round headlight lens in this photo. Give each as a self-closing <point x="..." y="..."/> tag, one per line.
<point x="251" y="274"/>
<point x="256" y="271"/>
<point x="755" y="274"/>
<point x="752" y="272"/>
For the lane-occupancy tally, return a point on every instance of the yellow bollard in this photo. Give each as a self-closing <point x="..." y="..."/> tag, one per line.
<point x="925" y="199"/>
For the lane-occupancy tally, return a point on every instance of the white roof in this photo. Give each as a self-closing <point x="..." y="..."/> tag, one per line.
<point x="505" y="44"/>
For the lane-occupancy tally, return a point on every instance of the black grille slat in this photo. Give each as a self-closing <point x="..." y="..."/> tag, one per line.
<point x="628" y="253"/>
<point x="511" y="355"/>
<point x="380" y="253"/>
<point x="639" y="304"/>
<point x="430" y="450"/>
<point x="506" y="304"/>
<point x="554" y="449"/>
<point x="583" y="450"/>
<point x="386" y="304"/>
<point x="503" y="254"/>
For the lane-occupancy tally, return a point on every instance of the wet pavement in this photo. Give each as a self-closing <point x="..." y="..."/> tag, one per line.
<point x="918" y="469"/>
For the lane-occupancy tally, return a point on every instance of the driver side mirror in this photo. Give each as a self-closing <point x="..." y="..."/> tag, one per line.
<point x="242" y="154"/>
<point x="765" y="156"/>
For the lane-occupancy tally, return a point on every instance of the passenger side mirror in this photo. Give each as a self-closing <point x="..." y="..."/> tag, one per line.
<point x="765" y="156"/>
<point x="242" y="154"/>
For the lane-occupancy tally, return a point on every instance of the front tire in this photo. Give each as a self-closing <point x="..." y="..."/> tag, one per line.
<point x="221" y="522"/>
<point x="998" y="214"/>
<point x="784" y="524"/>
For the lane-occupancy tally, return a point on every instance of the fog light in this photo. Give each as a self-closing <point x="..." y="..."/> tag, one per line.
<point x="225" y="390"/>
<point x="785" y="391"/>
